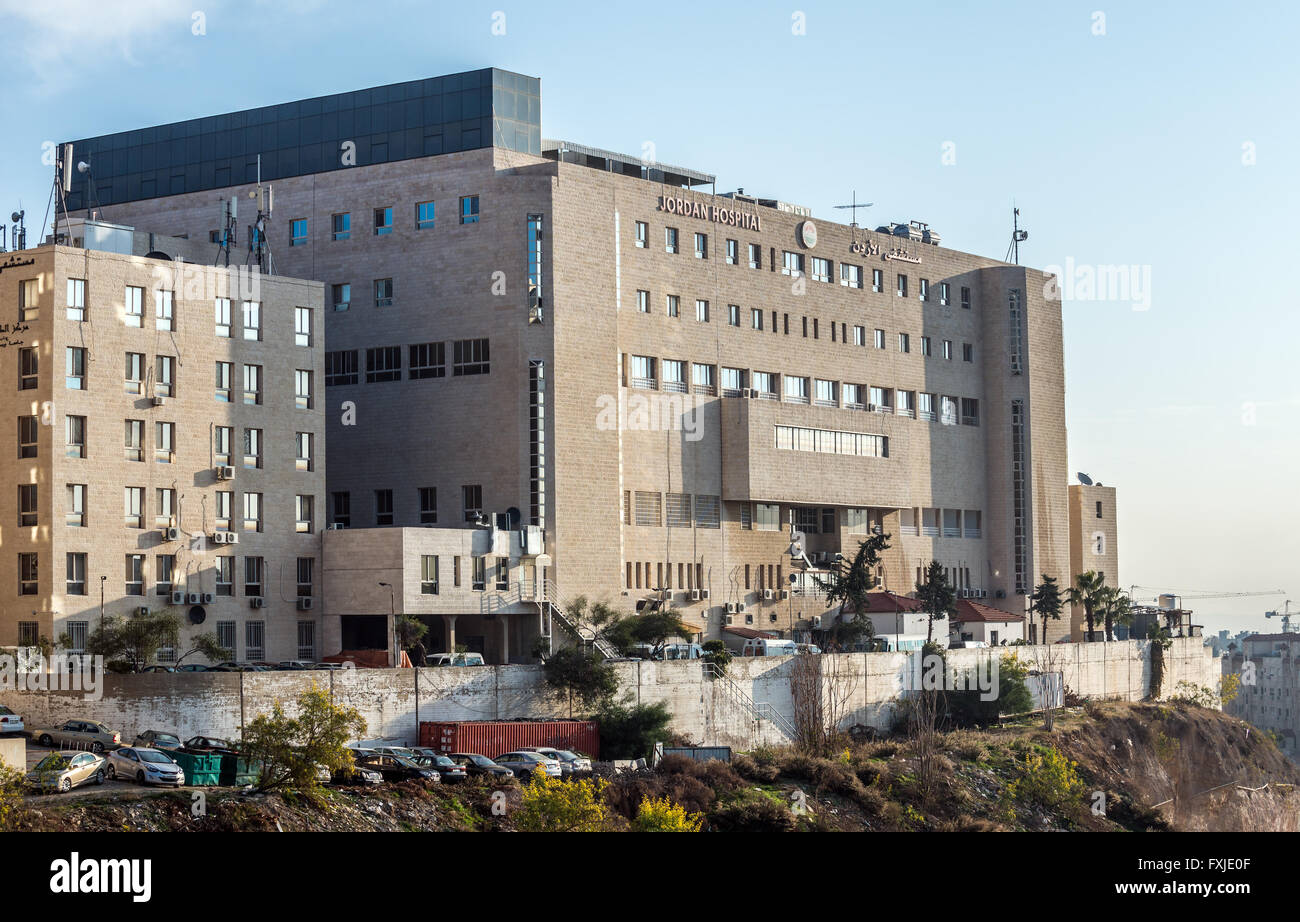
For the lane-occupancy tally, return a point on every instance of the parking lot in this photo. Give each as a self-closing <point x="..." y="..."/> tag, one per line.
<point x="118" y="786"/>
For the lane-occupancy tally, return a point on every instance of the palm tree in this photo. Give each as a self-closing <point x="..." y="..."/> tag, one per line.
<point x="1115" y="608"/>
<point x="1046" y="602"/>
<point x="1089" y="590"/>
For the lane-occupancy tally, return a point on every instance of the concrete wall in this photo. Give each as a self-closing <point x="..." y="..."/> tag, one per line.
<point x="13" y="753"/>
<point x="393" y="701"/>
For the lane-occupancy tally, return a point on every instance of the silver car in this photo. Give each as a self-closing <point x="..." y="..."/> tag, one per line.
<point x="144" y="766"/>
<point x="523" y="763"/>
<point x="571" y="763"/>
<point x="63" y="771"/>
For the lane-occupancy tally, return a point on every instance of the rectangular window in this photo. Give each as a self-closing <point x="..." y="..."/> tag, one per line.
<point x="877" y="279"/>
<point x="75" y="373"/>
<point x="76" y="574"/>
<point x="342" y="509"/>
<point x="733" y="381"/>
<point x="765" y="385"/>
<point x="767" y="517"/>
<point x="253" y="513"/>
<point x="225" y="572"/>
<point x="304" y="508"/>
<point x="649" y="508"/>
<point x="880" y="400"/>
<point x="133" y="306"/>
<point x="28" y="433"/>
<point x="827" y="393"/>
<point x="791" y="263"/>
<point x="429" y="574"/>
<point x="427" y="360"/>
<point x="708" y="511"/>
<point x="134" y="376"/>
<point x="906" y="402"/>
<point x="384" y="507"/>
<point x="29" y="301"/>
<point x="943" y="293"/>
<point x="303" y="451"/>
<point x="471" y="499"/>
<point x="703" y="381"/>
<point x="165" y="507"/>
<point x="755" y="256"/>
<point x="701" y="246"/>
<point x="298" y="232"/>
<point x="925" y="346"/>
<point x="733" y="252"/>
<point x="902" y="285"/>
<point x="821" y="269"/>
<point x="222" y="385"/>
<point x="383" y="221"/>
<point x="469" y="357"/>
<point x="221" y="438"/>
<point x="307" y="641"/>
<point x="879" y="339"/>
<point x="904" y="342"/>
<point x="643" y="301"/>
<point x="970" y="411"/>
<point x="252" y="384"/>
<point x="302" y="389"/>
<point x="428" y="505"/>
<point x="925" y="290"/>
<point x="341" y="368"/>
<point x="383" y="363"/>
<point x="306" y="576"/>
<point x="163" y="311"/>
<point x="967" y="352"/>
<point x="341" y="295"/>
<point x="674" y="375"/>
<point x="226" y="635"/>
<point x="947" y="349"/>
<point x="165" y="385"/>
<point x="733" y="315"/>
<point x="756" y="318"/>
<point x="302" y="326"/>
<point x="77" y="299"/>
<point x="478" y="574"/>
<point x="253" y="576"/>
<point x="133" y="507"/>
<point x="469" y="209"/>
<point x="221" y="309"/>
<point x="74" y="513"/>
<point x="252" y="448"/>
<point x="28" y="367"/>
<point x="925" y="406"/>
<point x="134" y="439"/>
<point x="678" y="510"/>
<point x="27" y="574"/>
<point x="965" y="298"/>
<point x="850" y="276"/>
<point x="853" y="396"/>
<point x="831" y="442"/>
<point x="673" y="305"/>
<point x="134" y="577"/>
<point x="642" y="234"/>
<point x="27" y="505"/>
<point x="252" y="320"/>
<point x="383" y="292"/>
<point x="75" y="430"/>
<point x="670" y="239"/>
<point x="425" y="215"/>
<point x="796" y="389"/>
<point x="341" y="226"/>
<point x="701" y="311"/>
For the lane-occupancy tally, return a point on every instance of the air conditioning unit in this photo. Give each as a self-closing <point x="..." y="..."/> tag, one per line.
<point x="785" y="593"/>
<point x="194" y="598"/>
<point x="695" y="595"/>
<point x="747" y="393"/>
<point x="871" y="408"/>
<point x="730" y="619"/>
<point x="225" y="472"/>
<point x="159" y="401"/>
<point x="178" y="597"/>
<point x="768" y="594"/>
<point x="336" y="526"/>
<point x="704" y="593"/>
<point x="208" y="598"/>
<point x="218" y="537"/>
<point x="170" y="534"/>
<point x="304" y="603"/>
<point x="740" y="606"/>
<point x="731" y="610"/>
<point x="142" y="611"/>
<point x="256" y="602"/>
<point x="232" y="537"/>
<point x="816" y="621"/>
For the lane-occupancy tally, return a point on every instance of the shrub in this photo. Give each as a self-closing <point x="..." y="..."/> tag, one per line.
<point x="753" y="811"/>
<point x="662" y="815"/>
<point x="552" y="805"/>
<point x="754" y="770"/>
<point x="11" y="798"/>
<point x="292" y="750"/>
<point x="630" y="731"/>
<point x="1049" y="779"/>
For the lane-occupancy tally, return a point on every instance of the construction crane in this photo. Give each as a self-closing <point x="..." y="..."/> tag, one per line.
<point x="1200" y="596"/>
<point x="1285" y="615"/>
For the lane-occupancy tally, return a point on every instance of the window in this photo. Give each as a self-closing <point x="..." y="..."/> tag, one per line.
<point x="342" y="503"/>
<point x="948" y="410"/>
<point x="850" y="276"/>
<point x="965" y="298"/>
<point x="340" y="368"/>
<point x="342" y="296"/>
<point x="642" y="234"/>
<point x="302" y="326"/>
<point x="827" y="393"/>
<point x="429" y="574"/>
<point x="879" y="339"/>
<point x="765" y="385"/>
<point x="970" y="411"/>
<point x="74" y="513"/>
<point x="298" y="232"/>
<point x="27" y="368"/>
<point x="733" y="381"/>
<point x="926" y="349"/>
<point x="221" y="438"/>
<point x="670" y="239"/>
<point x="469" y="357"/>
<point x="134" y="439"/>
<point x="674" y="375"/>
<point x="471" y="496"/>
<point x="383" y="507"/>
<point x="733" y="315"/>
<point x="967" y="352"/>
<point x="503" y="574"/>
<point x="425" y="215"/>
<point x="925" y="406"/>
<point x="469" y="209"/>
<point x="226" y="635"/>
<point x="306" y="576"/>
<point x="821" y="269"/>
<point x="28" y="429"/>
<point x="792" y="263"/>
<point x="222" y="387"/>
<point x="755" y="256"/>
<point x="943" y="293"/>
<point x="27" y="574"/>
<point x="733" y="252"/>
<point x="756" y="318"/>
<point x="702" y="380"/>
<point x="253" y="513"/>
<point x="134" y="376"/>
<point x="75" y="430"/>
<point x="307" y="641"/>
<point x="859" y="335"/>
<point x="906" y="402"/>
<point x="341" y="225"/>
<point x="796" y="389"/>
<point x="1014" y="324"/>
<point x="428" y="505"/>
<point x="383" y="292"/>
<point x="303" y="445"/>
<point x="767" y="517"/>
<point x="252" y="448"/>
<point x="134" y="578"/>
<point x="383" y="221"/>
<point x="27" y="505"/>
<point x="77" y="574"/>
<point x="877" y="279"/>
<point x="165" y="512"/>
<point x="252" y="384"/>
<point x="133" y="306"/>
<point x="708" y="511"/>
<point x="947" y="349"/>
<point x="701" y="246"/>
<point x="904" y="342"/>
<point x="75" y="361"/>
<point x="222" y="312"/>
<point x="133" y="507"/>
<point x="701" y="311"/>
<point x="881" y="399"/>
<point x="163" y="312"/>
<point x="853" y="396"/>
<point x="29" y="303"/>
<point x="673" y="305"/>
<point x="252" y="320"/>
<point x="253" y="576"/>
<point x="478" y="577"/>
<point x="643" y="301"/>
<point x="165" y="385"/>
<point x="77" y="299"/>
<point x="304" y="508"/>
<point x="649" y="508"/>
<point x="302" y="389"/>
<point x="831" y="442"/>
<point x="925" y="290"/>
<point x="1098" y="508"/>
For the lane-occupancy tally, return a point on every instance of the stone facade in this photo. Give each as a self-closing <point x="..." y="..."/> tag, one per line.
<point x="1094" y="543"/>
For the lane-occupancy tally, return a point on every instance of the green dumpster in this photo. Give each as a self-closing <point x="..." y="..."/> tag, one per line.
<point x="238" y="772"/>
<point x="201" y="768"/>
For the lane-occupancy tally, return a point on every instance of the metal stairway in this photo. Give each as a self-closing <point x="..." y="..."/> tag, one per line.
<point x="756" y="711"/>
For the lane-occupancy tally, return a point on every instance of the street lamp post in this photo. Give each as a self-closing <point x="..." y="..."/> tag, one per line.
<point x="392" y="619"/>
<point x="102" y="580"/>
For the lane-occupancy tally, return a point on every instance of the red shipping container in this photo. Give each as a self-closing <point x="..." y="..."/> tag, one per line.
<point x="492" y="738"/>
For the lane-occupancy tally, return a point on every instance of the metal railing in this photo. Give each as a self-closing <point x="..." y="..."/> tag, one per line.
<point x="549" y="596"/>
<point x="764" y="711"/>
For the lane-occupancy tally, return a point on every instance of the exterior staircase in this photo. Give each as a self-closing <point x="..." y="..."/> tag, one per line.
<point x="755" y="711"/>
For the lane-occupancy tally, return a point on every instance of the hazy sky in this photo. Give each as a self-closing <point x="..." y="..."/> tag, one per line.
<point x="1158" y="137"/>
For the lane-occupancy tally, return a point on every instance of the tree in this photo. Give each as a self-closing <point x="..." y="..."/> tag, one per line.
<point x="130" y="644"/>
<point x="629" y="730"/>
<point x="409" y="630"/>
<point x="653" y="629"/>
<point x="551" y="805"/>
<point x="936" y="596"/>
<point x="591" y="621"/>
<point x="716" y="652"/>
<point x="581" y="674"/>
<point x="1089" y="591"/>
<point x="848" y="585"/>
<point x="1046" y="602"/>
<point x="209" y="647"/>
<point x="293" y="750"/>
<point x="1114" y="607"/>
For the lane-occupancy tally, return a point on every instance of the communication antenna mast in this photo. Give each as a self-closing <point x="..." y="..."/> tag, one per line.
<point x="229" y="223"/>
<point x="259" y="247"/>
<point x="62" y="185"/>
<point x="19" y="234"/>
<point x="854" y="207"/>
<point x="1017" y="236"/>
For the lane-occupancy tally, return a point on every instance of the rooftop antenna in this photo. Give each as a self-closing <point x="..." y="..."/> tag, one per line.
<point x="258" y="246"/>
<point x="855" y="206"/>
<point x="228" y="222"/>
<point x="62" y="185"/>
<point x="1084" y="479"/>
<point x="84" y="169"/>
<point x="19" y="235"/>
<point x="1017" y="235"/>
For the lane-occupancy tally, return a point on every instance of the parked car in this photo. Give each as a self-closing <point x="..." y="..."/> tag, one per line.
<point x="214" y="744"/>
<point x="193" y="667"/>
<point x="571" y="763"/>
<point x="447" y="770"/>
<point x="9" y="721"/>
<point x="968" y="644"/>
<point x="455" y="659"/>
<point x="807" y="648"/>
<point x="768" y="646"/>
<point x="475" y="764"/>
<point x="524" y="763"/>
<point x="79" y="734"/>
<point x="296" y="664"/>
<point x="395" y="768"/>
<point x="145" y="766"/>
<point x="358" y="774"/>
<point x="63" y="771"/>
<point x="158" y="668"/>
<point x="157" y="739"/>
<point x="402" y="752"/>
<point x="238" y="667"/>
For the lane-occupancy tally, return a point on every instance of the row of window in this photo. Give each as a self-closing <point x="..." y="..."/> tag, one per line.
<point x="648" y="508"/>
<point x="166" y="576"/>
<point x="426" y="214"/>
<point x="477" y="571"/>
<point x="426" y="497"/>
<point x="166" y="511"/>
<point x="424" y="360"/>
<point x="644" y="508"/>
<point x="254" y="639"/>
<point x="164" y="442"/>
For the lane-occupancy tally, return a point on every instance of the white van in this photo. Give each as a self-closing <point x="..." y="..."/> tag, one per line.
<point x="768" y="646"/>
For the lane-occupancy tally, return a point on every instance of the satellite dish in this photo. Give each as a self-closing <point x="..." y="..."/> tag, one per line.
<point x="16" y="216"/>
<point x="83" y="167"/>
<point x="197" y="615"/>
<point x="1084" y="479"/>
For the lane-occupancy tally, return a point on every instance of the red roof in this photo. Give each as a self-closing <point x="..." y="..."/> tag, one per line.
<point x="748" y="632"/>
<point x="969" y="612"/>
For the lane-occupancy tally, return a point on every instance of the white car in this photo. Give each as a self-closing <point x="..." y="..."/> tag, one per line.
<point x="9" y="721"/>
<point x="144" y="766"/>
